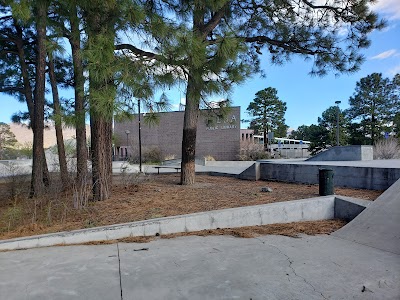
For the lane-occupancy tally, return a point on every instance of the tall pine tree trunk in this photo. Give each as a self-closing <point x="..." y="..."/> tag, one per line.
<point x="101" y="131"/>
<point x="80" y="113"/>
<point x="62" y="160"/>
<point x="189" y="133"/>
<point x="102" y="91"/>
<point x="28" y="93"/>
<point x="193" y="95"/>
<point x="37" y="184"/>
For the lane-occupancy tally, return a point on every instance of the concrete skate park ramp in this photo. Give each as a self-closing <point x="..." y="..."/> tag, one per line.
<point x="378" y="225"/>
<point x="345" y="153"/>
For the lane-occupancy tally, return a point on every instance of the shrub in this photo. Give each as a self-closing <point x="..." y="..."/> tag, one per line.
<point x="387" y="149"/>
<point x="169" y="156"/>
<point x="253" y="152"/>
<point x="152" y="155"/>
<point x="209" y="158"/>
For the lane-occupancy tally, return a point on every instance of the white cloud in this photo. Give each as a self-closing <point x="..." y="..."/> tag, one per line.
<point x="385" y="54"/>
<point x="391" y="8"/>
<point x="395" y="70"/>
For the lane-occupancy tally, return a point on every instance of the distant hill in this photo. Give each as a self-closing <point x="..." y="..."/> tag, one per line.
<point x="24" y="135"/>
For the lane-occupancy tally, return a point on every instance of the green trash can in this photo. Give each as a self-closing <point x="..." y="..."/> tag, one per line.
<point x="326" y="182"/>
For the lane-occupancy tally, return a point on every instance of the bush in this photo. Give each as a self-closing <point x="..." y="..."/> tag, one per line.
<point x="209" y="158"/>
<point x="149" y="155"/>
<point x="253" y="152"/>
<point x="152" y="155"/>
<point x="387" y="149"/>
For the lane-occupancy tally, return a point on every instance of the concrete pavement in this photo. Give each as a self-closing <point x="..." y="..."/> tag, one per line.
<point x="215" y="267"/>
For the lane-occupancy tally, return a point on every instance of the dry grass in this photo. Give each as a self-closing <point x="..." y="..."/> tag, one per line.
<point x="288" y="229"/>
<point x="156" y="196"/>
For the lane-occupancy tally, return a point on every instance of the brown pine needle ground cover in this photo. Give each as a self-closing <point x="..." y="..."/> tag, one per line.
<point x="293" y="229"/>
<point x="153" y="196"/>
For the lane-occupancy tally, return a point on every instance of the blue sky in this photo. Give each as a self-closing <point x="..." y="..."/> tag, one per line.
<point x="306" y="97"/>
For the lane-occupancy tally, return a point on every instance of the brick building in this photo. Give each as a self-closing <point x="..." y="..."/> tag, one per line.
<point x="217" y="137"/>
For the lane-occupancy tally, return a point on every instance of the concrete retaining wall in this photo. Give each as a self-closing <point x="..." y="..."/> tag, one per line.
<point x="321" y="208"/>
<point x="344" y="176"/>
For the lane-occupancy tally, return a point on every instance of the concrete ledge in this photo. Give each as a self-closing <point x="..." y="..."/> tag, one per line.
<point x="320" y="208"/>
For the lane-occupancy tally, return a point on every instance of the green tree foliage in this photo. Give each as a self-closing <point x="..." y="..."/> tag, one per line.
<point x="374" y="107"/>
<point x="396" y="95"/>
<point x="268" y="113"/>
<point x="318" y="135"/>
<point x="7" y="139"/>
<point x="329" y="121"/>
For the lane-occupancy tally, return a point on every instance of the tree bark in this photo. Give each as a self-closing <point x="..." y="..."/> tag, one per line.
<point x="189" y="134"/>
<point x="37" y="184"/>
<point x="62" y="160"/>
<point x="79" y="80"/>
<point x="193" y="95"/>
<point x="28" y="93"/>
<point x="101" y="132"/>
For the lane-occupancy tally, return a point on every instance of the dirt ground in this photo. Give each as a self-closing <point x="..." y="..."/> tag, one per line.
<point x="155" y="196"/>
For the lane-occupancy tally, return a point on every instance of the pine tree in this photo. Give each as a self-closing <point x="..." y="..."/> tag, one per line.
<point x="37" y="184"/>
<point x="7" y="138"/>
<point x="268" y="113"/>
<point x="373" y="106"/>
<point x="329" y="121"/>
<point x="220" y="42"/>
<point x="17" y="52"/>
<point x="318" y="135"/>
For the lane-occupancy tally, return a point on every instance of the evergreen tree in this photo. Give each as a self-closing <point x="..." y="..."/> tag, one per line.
<point x="318" y="135"/>
<point x="58" y="120"/>
<point x="223" y="40"/>
<point x="7" y="138"/>
<point x="396" y="97"/>
<point x="23" y="63"/>
<point x="268" y="113"/>
<point x="329" y="121"/>
<point x="66" y="21"/>
<point x="374" y="106"/>
<point x="37" y="184"/>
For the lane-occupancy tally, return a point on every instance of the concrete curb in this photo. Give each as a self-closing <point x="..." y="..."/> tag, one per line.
<point x="320" y="208"/>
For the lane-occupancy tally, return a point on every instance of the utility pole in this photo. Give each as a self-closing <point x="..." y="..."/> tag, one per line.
<point x="337" y="123"/>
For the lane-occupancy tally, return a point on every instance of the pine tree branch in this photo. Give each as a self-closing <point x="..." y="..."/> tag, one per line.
<point x="213" y="22"/>
<point x="5" y="51"/>
<point x="7" y="89"/>
<point x="291" y="46"/>
<point x="137" y="51"/>
<point x="327" y="7"/>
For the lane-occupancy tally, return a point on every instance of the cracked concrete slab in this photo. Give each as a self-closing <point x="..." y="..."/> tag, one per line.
<point x="213" y="267"/>
<point x="269" y="267"/>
